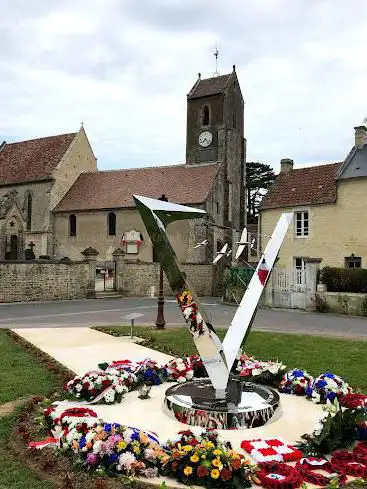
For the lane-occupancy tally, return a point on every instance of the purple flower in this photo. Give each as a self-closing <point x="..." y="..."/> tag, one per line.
<point x="92" y="459"/>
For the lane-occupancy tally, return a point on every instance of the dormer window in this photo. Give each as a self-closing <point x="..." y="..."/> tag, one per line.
<point x="206" y="116"/>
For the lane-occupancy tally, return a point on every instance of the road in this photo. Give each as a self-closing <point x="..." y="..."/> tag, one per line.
<point x="110" y="312"/>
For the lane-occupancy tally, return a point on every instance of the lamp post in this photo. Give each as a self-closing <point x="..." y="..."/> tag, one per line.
<point x="160" y="321"/>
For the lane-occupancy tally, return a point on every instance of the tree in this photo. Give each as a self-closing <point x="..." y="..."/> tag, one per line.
<point x="259" y="178"/>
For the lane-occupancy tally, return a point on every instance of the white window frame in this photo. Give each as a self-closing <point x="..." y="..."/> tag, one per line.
<point x="303" y="234"/>
<point x="300" y="271"/>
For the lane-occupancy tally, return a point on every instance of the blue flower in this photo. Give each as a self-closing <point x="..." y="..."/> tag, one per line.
<point x="309" y="391"/>
<point x="298" y="373"/>
<point x="82" y="442"/>
<point x="331" y="396"/>
<point x="107" y="427"/>
<point x="321" y="383"/>
<point x="113" y="458"/>
<point x="329" y="376"/>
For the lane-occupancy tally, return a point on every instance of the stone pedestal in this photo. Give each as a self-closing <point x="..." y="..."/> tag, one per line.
<point x="118" y="257"/>
<point x="90" y="256"/>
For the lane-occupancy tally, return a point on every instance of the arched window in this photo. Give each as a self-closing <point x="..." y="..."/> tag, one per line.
<point x="206" y="116"/>
<point x="72" y="225"/>
<point x="29" y="212"/>
<point x="111" y="224"/>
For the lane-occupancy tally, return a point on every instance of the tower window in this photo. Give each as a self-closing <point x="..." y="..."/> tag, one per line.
<point x="234" y="120"/>
<point x="206" y="116"/>
<point x="72" y="225"/>
<point x="230" y="197"/>
<point x="111" y="224"/>
<point x="29" y="212"/>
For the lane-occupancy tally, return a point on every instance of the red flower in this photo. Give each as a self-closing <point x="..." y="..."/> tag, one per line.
<point x="353" y="401"/>
<point x="174" y="466"/>
<point x="202" y="471"/>
<point x="226" y="474"/>
<point x="236" y="463"/>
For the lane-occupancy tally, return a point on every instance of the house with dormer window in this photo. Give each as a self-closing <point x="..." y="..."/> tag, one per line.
<point x="330" y="211"/>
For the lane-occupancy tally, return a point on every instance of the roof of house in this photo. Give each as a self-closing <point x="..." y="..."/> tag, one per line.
<point x="183" y="184"/>
<point x="32" y="160"/>
<point x="209" y="86"/>
<point x="303" y="186"/>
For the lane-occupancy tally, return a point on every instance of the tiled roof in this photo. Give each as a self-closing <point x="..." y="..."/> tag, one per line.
<point x="209" y="86"/>
<point x="182" y="184"/>
<point x="32" y="160"/>
<point x="304" y="186"/>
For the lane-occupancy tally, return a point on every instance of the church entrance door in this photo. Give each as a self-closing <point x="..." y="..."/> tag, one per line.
<point x="11" y="247"/>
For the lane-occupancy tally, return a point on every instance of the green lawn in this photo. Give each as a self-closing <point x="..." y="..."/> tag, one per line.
<point x="314" y="353"/>
<point x="20" y="376"/>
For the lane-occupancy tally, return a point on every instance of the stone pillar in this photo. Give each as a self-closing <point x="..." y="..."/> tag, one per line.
<point x="312" y="266"/>
<point x="90" y="255"/>
<point x="118" y="258"/>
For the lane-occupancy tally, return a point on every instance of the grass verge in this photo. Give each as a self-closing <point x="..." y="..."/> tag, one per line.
<point x="21" y="375"/>
<point x="316" y="354"/>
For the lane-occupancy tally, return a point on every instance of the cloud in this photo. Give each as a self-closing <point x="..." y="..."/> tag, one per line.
<point x="124" y="67"/>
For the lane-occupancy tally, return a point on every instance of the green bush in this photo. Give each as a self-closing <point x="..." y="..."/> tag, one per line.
<point x="364" y="306"/>
<point x="344" y="279"/>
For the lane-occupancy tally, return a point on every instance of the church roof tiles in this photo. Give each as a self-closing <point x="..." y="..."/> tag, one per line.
<point x="303" y="186"/>
<point x="32" y="160"/>
<point x="182" y="184"/>
<point x="209" y="86"/>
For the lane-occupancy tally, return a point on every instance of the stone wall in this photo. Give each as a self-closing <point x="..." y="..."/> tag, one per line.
<point x="142" y="279"/>
<point x="345" y="303"/>
<point x="43" y="281"/>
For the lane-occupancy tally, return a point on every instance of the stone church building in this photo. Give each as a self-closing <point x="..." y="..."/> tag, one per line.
<point x="54" y="200"/>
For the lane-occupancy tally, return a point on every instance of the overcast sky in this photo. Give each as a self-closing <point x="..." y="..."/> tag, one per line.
<point x="124" y="67"/>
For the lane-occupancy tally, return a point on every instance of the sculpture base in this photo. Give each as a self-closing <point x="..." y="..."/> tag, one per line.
<point x="194" y="403"/>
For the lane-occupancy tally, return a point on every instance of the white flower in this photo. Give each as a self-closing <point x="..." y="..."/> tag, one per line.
<point x="189" y="374"/>
<point x="256" y="371"/>
<point x="181" y="367"/>
<point x="97" y="446"/>
<point x="126" y="460"/>
<point x="149" y="454"/>
<point x="128" y="433"/>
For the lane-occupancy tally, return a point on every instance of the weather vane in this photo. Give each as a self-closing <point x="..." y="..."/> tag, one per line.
<point x="216" y="54"/>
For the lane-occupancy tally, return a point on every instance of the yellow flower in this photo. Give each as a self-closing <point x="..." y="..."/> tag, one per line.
<point x="143" y="438"/>
<point x="216" y="462"/>
<point x="121" y="445"/>
<point x="194" y="458"/>
<point x="187" y="448"/>
<point x="214" y="474"/>
<point x="217" y="452"/>
<point x="209" y="445"/>
<point x="188" y="470"/>
<point x="136" y="450"/>
<point x="203" y="456"/>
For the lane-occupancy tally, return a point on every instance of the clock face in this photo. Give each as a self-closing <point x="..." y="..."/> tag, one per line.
<point x="205" y="139"/>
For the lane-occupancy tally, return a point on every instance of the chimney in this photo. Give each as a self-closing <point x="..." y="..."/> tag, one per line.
<point x="286" y="165"/>
<point x="360" y="135"/>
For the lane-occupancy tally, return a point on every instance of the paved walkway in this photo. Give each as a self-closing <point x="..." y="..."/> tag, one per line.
<point x="111" y="312"/>
<point x="81" y="349"/>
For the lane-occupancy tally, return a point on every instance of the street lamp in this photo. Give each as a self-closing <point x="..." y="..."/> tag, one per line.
<point x="160" y="321"/>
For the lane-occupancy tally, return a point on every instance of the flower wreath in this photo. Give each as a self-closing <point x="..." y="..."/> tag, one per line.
<point x="307" y="466"/>
<point x="351" y="463"/>
<point x="270" y="450"/>
<point x="327" y="386"/>
<point x="296" y="382"/>
<point x="179" y="370"/>
<point x="275" y="475"/>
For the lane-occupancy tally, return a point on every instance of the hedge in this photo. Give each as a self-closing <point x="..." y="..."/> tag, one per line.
<point x="344" y="279"/>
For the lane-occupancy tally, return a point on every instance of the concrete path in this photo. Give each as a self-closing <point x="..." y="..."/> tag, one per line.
<point x="81" y="349"/>
<point x="111" y="312"/>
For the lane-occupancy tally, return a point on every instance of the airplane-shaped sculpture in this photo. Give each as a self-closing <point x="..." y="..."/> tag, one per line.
<point x="217" y="358"/>
<point x="242" y="243"/>
<point x="203" y="243"/>
<point x="221" y="253"/>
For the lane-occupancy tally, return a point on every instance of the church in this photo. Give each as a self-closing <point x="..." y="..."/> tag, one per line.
<point x="55" y="201"/>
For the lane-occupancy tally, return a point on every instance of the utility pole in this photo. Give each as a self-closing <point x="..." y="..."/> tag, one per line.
<point x="160" y="321"/>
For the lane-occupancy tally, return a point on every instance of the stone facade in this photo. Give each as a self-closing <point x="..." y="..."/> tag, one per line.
<point x="92" y="229"/>
<point x="142" y="279"/>
<point x="40" y="281"/>
<point x="336" y="231"/>
<point x="45" y="195"/>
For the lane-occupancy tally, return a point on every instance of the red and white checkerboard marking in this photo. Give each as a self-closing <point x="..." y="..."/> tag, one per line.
<point x="270" y="450"/>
